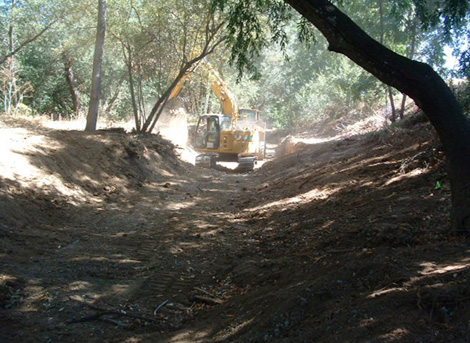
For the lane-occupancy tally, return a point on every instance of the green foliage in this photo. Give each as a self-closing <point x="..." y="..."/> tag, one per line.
<point x="462" y="91"/>
<point x="40" y="63"/>
<point x="252" y="26"/>
<point x="303" y="84"/>
<point x="159" y="35"/>
<point x="450" y="20"/>
<point x="159" y="42"/>
<point x="464" y="61"/>
<point x="449" y="13"/>
<point x="289" y="74"/>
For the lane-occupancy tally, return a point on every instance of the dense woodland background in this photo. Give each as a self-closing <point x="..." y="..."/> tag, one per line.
<point x="47" y="51"/>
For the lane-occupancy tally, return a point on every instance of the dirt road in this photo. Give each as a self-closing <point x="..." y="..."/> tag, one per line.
<point x="112" y="238"/>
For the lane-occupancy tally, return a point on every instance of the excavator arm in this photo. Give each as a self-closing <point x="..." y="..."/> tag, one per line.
<point x="226" y="97"/>
<point x="224" y="94"/>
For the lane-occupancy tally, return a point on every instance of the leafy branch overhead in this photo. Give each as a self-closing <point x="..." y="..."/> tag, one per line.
<point x="254" y="25"/>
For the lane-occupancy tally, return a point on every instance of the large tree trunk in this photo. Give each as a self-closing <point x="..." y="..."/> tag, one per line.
<point x="417" y="80"/>
<point x="92" y="117"/>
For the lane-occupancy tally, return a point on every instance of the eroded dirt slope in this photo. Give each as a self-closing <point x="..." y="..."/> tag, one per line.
<point x="110" y="237"/>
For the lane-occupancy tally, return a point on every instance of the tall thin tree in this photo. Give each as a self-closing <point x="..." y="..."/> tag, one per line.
<point x="92" y="117"/>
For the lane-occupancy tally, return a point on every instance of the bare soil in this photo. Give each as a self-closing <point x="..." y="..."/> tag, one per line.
<point x="111" y="237"/>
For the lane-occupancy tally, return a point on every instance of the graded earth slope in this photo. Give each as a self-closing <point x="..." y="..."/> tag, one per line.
<point x="110" y="237"/>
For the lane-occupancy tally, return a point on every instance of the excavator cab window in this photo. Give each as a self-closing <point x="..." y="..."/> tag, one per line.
<point x="226" y="123"/>
<point x="208" y="133"/>
<point x="249" y="115"/>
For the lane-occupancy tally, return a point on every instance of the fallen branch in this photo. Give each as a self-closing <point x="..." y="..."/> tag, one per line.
<point x="87" y="318"/>
<point x="318" y="259"/>
<point x="98" y="315"/>
<point x="339" y="251"/>
<point x="203" y="291"/>
<point x="115" y="322"/>
<point x="209" y="300"/>
<point x="159" y="307"/>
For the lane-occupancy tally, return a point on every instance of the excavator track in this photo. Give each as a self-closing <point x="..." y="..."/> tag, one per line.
<point x="206" y="160"/>
<point x="246" y="163"/>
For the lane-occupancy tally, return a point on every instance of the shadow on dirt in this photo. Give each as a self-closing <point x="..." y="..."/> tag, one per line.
<point x="348" y="242"/>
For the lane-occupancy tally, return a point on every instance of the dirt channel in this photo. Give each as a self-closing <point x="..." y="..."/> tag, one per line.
<point x="111" y="237"/>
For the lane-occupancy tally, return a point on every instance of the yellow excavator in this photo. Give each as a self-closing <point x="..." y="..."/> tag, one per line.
<point x="235" y="135"/>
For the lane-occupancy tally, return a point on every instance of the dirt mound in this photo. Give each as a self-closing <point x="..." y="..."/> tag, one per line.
<point x="55" y="169"/>
<point x="352" y="245"/>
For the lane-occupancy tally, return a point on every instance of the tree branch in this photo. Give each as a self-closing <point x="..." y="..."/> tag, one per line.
<point x="26" y="42"/>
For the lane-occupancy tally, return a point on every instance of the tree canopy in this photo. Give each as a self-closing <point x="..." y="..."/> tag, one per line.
<point x="53" y="52"/>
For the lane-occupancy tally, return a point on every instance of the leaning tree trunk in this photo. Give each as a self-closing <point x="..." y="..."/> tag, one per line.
<point x="69" y="76"/>
<point x="417" y="80"/>
<point x="111" y="103"/>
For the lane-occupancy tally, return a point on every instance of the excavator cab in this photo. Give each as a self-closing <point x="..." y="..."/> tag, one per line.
<point x="208" y="132"/>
